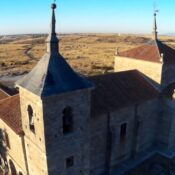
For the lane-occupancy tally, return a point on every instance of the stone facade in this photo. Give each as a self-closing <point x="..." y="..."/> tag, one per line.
<point x="95" y="143"/>
<point x="61" y="146"/>
<point x="151" y="69"/>
<point x="167" y="75"/>
<point x="15" y="149"/>
<point x="34" y="143"/>
<point x="105" y="130"/>
<point x="47" y="148"/>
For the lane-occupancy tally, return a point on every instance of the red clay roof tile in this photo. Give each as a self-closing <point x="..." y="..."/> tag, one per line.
<point x="10" y="113"/>
<point x="151" y="52"/>
<point x="3" y="95"/>
<point x="117" y="90"/>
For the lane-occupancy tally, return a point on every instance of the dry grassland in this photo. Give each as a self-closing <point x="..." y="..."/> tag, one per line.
<point x="88" y="54"/>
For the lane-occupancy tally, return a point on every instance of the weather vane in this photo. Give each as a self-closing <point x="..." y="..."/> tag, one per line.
<point x="155" y="8"/>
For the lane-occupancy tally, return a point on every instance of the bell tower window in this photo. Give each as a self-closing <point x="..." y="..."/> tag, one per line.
<point x="31" y="119"/>
<point x="67" y="120"/>
<point x="70" y="162"/>
<point x="123" y="129"/>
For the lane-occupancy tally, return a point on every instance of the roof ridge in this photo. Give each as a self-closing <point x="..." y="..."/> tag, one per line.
<point x="131" y="49"/>
<point x="158" y="49"/>
<point x="110" y="73"/>
<point x="9" y="97"/>
<point x="44" y="79"/>
<point x="142" y="75"/>
<point x="4" y="92"/>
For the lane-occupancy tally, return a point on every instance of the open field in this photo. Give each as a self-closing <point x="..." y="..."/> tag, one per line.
<point x="88" y="54"/>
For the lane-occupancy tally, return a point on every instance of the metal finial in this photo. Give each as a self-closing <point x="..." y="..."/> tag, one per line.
<point x="54" y="6"/>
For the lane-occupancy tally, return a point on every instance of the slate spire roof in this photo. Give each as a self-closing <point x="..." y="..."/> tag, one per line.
<point x="53" y="75"/>
<point x="52" y="40"/>
<point x="155" y="33"/>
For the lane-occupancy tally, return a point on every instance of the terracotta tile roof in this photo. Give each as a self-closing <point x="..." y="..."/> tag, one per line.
<point x="151" y="52"/>
<point x="117" y="90"/>
<point x="3" y="95"/>
<point x="10" y="113"/>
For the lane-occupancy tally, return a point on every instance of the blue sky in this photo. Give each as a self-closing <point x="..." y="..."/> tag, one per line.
<point x="96" y="16"/>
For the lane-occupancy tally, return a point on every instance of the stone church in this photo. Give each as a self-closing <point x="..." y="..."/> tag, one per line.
<point x="62" y="123"/>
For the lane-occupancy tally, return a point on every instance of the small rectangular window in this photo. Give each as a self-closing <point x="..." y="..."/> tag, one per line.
<point x="123" y="132"/>
<point x="69" y="162"/>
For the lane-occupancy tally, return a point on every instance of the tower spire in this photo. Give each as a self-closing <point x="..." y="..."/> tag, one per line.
<point x="155" y="33"/>
<point x="52" y="40"/>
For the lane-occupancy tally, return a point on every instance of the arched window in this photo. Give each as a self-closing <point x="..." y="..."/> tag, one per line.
<point x="123" y="129"/>
<point x="12" y="168"/>
<point x="67" y="120"/>
<point x="31" y="118"/>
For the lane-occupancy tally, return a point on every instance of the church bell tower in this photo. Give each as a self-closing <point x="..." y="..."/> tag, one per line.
<point x="55" y="108"/>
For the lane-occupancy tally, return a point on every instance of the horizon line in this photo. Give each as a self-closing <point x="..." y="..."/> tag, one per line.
<point x="84" y="33"/>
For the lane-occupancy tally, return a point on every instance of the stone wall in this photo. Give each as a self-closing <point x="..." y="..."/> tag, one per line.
<point x="151" y="69"/>
<point x="168" y="75"/>
<point x="141" y="122"/>
<point x="34" y="141"/>
<point x="60" y="146"/>
<point x="95" y="142"/>
<point x="15" y="152"/>
<point x="122" y="149"/>
<point x="148" y="121"/>
<point x="98" y="144"/>
<point x="166" y="127"/>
